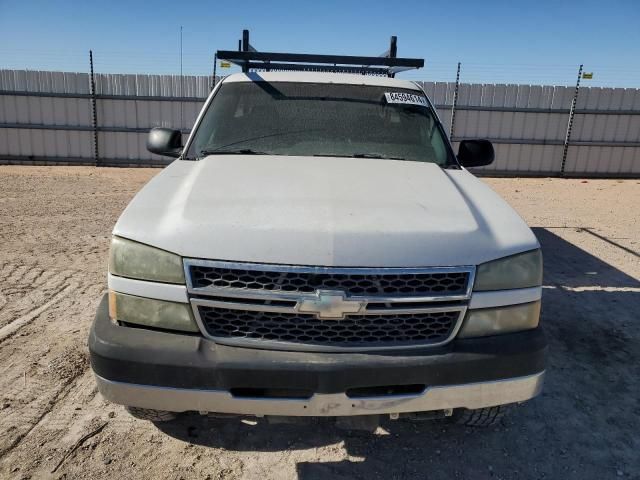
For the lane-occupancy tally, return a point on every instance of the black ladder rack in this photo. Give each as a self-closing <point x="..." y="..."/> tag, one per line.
<point x="248" y="58"/>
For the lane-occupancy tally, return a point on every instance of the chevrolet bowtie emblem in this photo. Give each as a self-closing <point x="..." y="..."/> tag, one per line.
<point x="330" y="305"/>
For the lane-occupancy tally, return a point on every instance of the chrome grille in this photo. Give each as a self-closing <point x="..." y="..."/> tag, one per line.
<point x="353" y="331"/>
<point x="327" y="309"/>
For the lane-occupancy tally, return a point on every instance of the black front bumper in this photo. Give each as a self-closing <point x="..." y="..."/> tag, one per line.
<point x="145" y="357"/>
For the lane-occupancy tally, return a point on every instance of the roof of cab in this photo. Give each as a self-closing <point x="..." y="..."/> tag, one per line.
<point x="321" y="77"/>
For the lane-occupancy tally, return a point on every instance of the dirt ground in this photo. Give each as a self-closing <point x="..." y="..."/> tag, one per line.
<point x="55" y="225"/>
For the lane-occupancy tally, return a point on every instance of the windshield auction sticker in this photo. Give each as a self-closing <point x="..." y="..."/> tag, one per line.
<point x="405" y="98"/>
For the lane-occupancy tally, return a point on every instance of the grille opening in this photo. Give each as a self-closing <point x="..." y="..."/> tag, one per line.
<point x="385" y="391"/>
<point x="402" y="305"/>
<point x="362" y="331"/>
<point x="353" y="284"/>
<point x="249" y="392"/>
<point x="257" y="301"/>
<point x="391" y="306"/>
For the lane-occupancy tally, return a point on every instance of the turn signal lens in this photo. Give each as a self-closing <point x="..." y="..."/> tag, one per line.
<point x="151" y="312"/>
<point x="495" y="321"/>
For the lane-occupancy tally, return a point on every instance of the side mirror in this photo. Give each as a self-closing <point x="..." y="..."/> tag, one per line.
<point x="475" y="153"/>
<point x="165" y="141"/>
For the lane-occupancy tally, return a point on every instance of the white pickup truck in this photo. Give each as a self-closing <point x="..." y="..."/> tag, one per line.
<point x="317" y="249"/>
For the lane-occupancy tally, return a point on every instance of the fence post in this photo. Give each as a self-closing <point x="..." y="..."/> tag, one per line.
<point x="215" y="64"/>
<point x="455" y="104"/>
<point x="94" y="113"/>
<point x="181" y="85"/>
<point x="572" y="111"/>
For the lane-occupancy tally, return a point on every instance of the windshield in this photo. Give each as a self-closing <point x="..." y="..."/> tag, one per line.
<point x="320" y="119"/>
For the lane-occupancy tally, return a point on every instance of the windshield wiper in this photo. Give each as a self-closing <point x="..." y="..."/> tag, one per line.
<point x="248" y="151"/>
<point x="236" y="151"/>
<point x="375" y="155"/>
<point x="359" y="155"/>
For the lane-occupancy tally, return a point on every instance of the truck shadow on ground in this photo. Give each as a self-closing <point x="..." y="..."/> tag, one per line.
<point x="584" y="425"/>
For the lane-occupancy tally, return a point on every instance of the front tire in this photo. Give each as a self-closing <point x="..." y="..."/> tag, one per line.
<point x="481" y="417"/>
<point x="155" y="416"/>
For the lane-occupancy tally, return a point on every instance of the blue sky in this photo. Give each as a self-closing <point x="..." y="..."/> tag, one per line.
<point x="497" y="41"/>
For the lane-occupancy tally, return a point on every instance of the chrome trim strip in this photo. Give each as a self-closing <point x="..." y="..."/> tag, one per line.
<point x="295" y="296"/>
<point x="501" y="298"/>
<point x="294" y="309"/>
<point x="401" y="311"/>
<point x="143" y="288"/>
<point x="196" y="302"/>
<point x="269" y="267"/>
<point x="471" y="395"/>
<point x="302" y="347"/>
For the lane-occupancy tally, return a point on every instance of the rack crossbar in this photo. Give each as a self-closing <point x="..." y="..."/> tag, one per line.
<point x="243" y="57"/>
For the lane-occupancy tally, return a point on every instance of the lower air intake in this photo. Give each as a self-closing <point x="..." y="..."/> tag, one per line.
<point x="355" y="331"/>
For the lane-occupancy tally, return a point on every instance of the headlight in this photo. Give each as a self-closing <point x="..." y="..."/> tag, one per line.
<point x="518" y="271"/>
<point x="495" y="321"/>
<point x="151" y="312"/>
<point x="136" y="260"/>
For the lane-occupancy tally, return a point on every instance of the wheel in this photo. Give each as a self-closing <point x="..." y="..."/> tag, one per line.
<point x="151" y="415"/>
<point x="481" y="417"/>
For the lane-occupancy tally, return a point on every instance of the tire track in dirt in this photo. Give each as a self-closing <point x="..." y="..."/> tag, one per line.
<point x="13" y="327"/>
<point x="68" y="414"/>
<point x="53" y="401"/>
<point x="29" y="292"/>
<point x="63" y="294"/>
<point x="52" y="274"/>
<point x="70" y="417"/>
<point x="25" y="287"/>
<point x="50" y="373"/>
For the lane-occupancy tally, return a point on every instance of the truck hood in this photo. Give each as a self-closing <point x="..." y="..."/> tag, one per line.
<point x="324" y="211"/>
